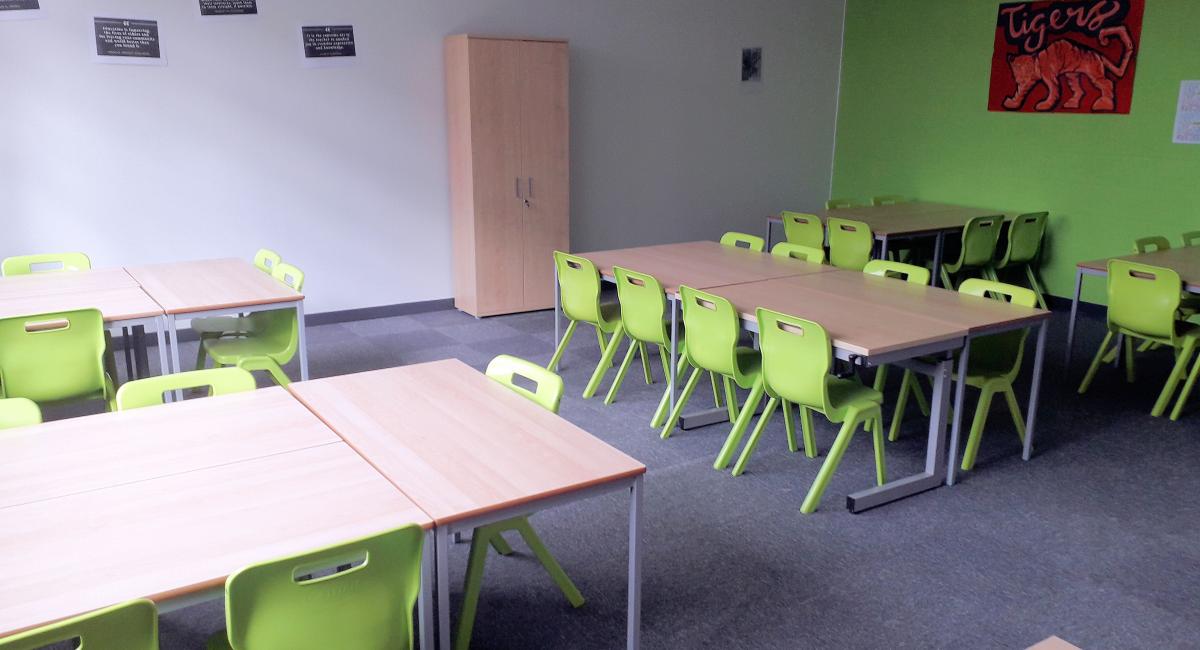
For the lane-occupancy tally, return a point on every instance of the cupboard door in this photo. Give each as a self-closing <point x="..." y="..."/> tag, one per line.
<point x="545" y="161"/>
<point x="496" y="171"/>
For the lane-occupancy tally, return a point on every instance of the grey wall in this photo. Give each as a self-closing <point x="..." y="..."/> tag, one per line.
<point x="235" y="145"/>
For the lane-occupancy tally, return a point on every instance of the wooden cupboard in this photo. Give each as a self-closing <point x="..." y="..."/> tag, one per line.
<point x="509" y="179"/>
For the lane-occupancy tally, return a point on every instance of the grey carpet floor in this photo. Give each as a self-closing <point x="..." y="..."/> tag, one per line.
<point x="1094" y="540"/>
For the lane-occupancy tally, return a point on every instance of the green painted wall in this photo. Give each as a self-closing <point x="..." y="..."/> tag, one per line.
<point x="913" y="120"/>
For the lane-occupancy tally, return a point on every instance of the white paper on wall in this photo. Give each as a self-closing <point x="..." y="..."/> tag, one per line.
<point x="1187" y="116"/>
<point x="20" y="9"/>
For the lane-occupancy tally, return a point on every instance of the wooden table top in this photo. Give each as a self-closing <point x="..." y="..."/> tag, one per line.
<point x="38" y="284"/>
<point x="1184" y="261"/>
<point x="457" y="443"/>
<point x="82" y="454"/>
<point x="116" y="304"/>
<point x="700" y="264"/>
<point x="1053" y="643"/>
<point x="184" y="533"/>
<point x="913" y="218"/>
<point x="203" y="285"/>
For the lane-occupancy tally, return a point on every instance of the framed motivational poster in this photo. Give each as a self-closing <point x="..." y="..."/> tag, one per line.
<point x="1065" y="56"/>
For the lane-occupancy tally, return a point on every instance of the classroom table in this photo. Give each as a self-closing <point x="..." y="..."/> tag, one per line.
<point x="876" y="320"/>
<point x="909" y="220"/>
<point x="204" y="288"/>
<point x="166" y="502"/>
<point x="1184" y="261"/>
<point x="111" y="290"/>
<point x="469" y="451"/>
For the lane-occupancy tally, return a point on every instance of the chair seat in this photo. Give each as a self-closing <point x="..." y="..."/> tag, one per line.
<point x="228" y="352"/>
<point x="610" y="315"/>
<point x="227" y="325"/>
<point x="844" y="393"/>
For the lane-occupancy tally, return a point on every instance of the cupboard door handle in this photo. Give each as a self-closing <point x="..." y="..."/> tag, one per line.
<point x="517" y="184"/>
<point x="531" y="187"/>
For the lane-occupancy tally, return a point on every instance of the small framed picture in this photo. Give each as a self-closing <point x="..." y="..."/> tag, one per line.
<point x="752" y="64"/>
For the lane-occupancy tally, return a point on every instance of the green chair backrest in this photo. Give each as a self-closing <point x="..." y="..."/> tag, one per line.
<point x="888" y="199"/>
<point x="713" y="327"/>
<point x="297" y="603"/>
<point x="1024" y="238"/>
<point x="979" y="238"/>
<point x="998" y="353"/>
<point x="266" y="259"/>
<point x="547" y="386"/>
<point x="1191" y="238"/>
<point x="838" y="204"/>
<point x="129" y="626"/>
<point x="149" y="392"/>
<point x="889" y="269"/>
<point x="19" y="412"/>
<point x="799" y="252"/>
<point x="1151" y="244"/>
<point x="52" y="357"/>
<point x="850" y="244"/>
<point x="643" y="306"/>
<point x="44" y="263"/>
<point x="796" y="358"/>
<point x="742" y="240"/>
<point x="803" y="229"/>
<point x="1143" y="298"/>
<point x="279" y="327"/>
<point x="579" y="286"/>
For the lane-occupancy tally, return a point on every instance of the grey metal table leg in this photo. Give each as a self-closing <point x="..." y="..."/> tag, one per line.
<point x="769" y="225"/>
<point x="557" y="311"/>
<point x="883" y="247"/>
<point x="426" y="633"/>
<point x="938" y="243"/>
<point x="672" y="380"/>
<point x="1034" y="389"/>
<point x="956" y="426"/>
<point x="302" y="341"/>
<point x="164" y="368"/>
<point x="173" y="328"/>
<point x="443" y="587"/>
<point x="1074" y="313"/>
<point x="633" y="633"/>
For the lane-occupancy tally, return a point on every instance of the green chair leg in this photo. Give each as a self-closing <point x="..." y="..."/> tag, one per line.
<point x="906" y="387"/>
<point x="813" y="499"/>
<point x="1036" y="286"/>
<point x="1168" y="390"/>
<point x="877" y="438"/>
<point x="1091" y="371"/>
<point x="664" y="404"/>
<point x="607" y="352"/>
<point x="755" y="436"/>
<point x="880" y="378"/>
<point x="789" y="427"/>
<point x="1014" y="409"/>
<point x="265" y="364"/>
<point x="616" y="385"/>
<point x="472" y="586"/>
<point x="731" y="403"/>
<point x="739" y="426"/>
<point x="549" y="563"/>
<point x="562" y="346"/>
<point x="683" y="400"/>
<point x="645" y="355"/>
<point x="716" y="389"/>
<point x="1187" y="390"/>
<point x="1130" y="375"/>
<point x="981" y="413"/>
<point x="918" y="393"/>
<point x="806" y="426"/>
<point x="600" y="338"/>
<point x="946" y="283"/>
<point x="498" y="542"/>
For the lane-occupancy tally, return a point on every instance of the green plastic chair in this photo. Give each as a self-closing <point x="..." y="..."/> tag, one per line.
<point x="742" y="240"/>
<point x="55" y="357"/>
<point x="1191" y="238"/>
<point x="547" y="394"/>
<point x="273" y="340"/>
<point x="713" y="327"/>
<point x="888" y="199"/>
<point x="149" y="392"/>
<point x="803" y="229"/>
<point x="1022" y="249"/>
<point x="311" y="601"/>
<point x="799" y="252"/>
<point x="909" y="383"/>
<point x="979" y="238"/>
<point x="797" y="356"/>
<point x="219" y="326"/>
<point x="839" y="204"/>
<point x="1151" y="244"/>
<point x="850" y="244"/>
<point x="24" y="264"/>
<point x="579" y="287"/>
<point x="128" y="626"/>
<point x="1143" y="303"/>
<point x="19" y="412"/>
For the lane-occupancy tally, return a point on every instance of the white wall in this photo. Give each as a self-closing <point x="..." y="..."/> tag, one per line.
<point x="236" y="145"/>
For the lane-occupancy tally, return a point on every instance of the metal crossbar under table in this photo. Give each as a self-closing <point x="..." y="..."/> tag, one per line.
<point x="446" y="532"/>
<point x="298" y="305"/>
<point x="141" y="361"/>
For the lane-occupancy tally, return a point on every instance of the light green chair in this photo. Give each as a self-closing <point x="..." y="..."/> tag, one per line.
<point x="149" y="392"/>
<point x="56" y="357"/>
<point x="888" y="199"/>
<point x="713" y="328"/>
<point x="19" y="412"/>
<point x="742" y="240"/>
<point x="1143" y="303"/>
<point x="850" y="244"/>
<point x="128" y="626"/>
<point x="28" y="264"/>
<point x="909" y="383"/>
<point x="979" y="238"/>
<point x="547" y="394"/>
<point x="579" y="288"/>
<point x="1151" y="244"/>
<point x="357" y="594"/>
<point x="800" y="252"/>
<point x="1191" y="238"/>
<point x="803" y="229"/>
<point x="797" y="357"/>
<point x="839" y="204"/>
<point x="273" y="339"/>
<point x="220" y="326"/>
<point x="1022" y="249"/>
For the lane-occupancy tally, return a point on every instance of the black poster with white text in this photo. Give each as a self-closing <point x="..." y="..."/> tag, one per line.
<point x="19" y="5"/>
<point x="326" y="41"/>
<point x="228" y="7"/>
<point x="124" y="37"/>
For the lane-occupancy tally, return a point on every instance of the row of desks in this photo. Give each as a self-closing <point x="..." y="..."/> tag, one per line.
<point x="155" y="295"/>
<point x="872" y="321"/>
<point x="166" y="502"/>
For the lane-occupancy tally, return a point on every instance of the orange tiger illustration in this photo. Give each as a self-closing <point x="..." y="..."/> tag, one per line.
<point x="1067" y="59"/>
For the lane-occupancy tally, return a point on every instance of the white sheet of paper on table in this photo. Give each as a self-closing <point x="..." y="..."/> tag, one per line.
<point x="1187" y="117"/>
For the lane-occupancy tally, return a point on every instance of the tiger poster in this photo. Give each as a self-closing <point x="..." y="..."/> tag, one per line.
<point x="1065" y="56"/>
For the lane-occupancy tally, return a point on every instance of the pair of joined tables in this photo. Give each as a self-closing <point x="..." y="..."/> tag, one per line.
<point x="910" y="220"/>
<point x="872" y="321"/>
<point x="156" y="295"/>
<point x="166" y="502"/>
